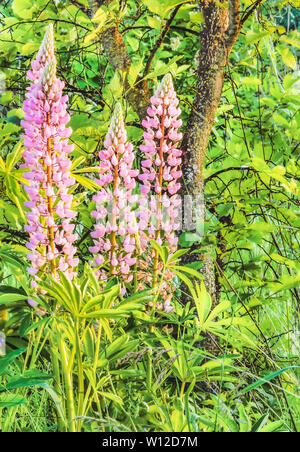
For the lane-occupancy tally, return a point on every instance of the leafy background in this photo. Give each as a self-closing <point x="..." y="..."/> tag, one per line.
<point x="252" y="190"/>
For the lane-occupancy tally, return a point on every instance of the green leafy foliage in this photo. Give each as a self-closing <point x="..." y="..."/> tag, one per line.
<point x="115" y="367"/>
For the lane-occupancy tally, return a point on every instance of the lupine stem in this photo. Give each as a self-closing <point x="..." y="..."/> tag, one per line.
<point x="135" y="268"/>
<point x="49" y="200"/>
<point x="57" y="382"/>
<point x="67" y="373"/>
<point x="80" y="378"/>
<point x="115" y="200"/>
<point x="160" y="182"/>
<point x="182" y="389"/>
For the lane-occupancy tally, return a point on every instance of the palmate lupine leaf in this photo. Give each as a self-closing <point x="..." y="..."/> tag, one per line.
<point x="105" y="314"/>
<point x="271" y="427"/>
<point x="14" y="157"/>
<point x="78" y="174"/>
<point x="8" y="256"/>
<point x="116" y="351"/>
<point x="102" y="306"/>
<point x="86" y="182"/>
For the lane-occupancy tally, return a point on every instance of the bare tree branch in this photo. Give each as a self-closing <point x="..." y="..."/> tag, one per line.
<point x="161" y="39"/>
<point x="250" y="10"/>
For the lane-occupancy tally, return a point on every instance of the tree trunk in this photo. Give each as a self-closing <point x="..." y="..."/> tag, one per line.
<point x="219" y="33"/>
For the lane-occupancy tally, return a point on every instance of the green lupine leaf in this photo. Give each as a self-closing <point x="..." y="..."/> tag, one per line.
<point x="264" y="380"/>
<point x="8" y="400"/>
<point x="8" y="359"/>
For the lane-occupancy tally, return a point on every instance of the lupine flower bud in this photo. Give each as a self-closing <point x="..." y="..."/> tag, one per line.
<point x="48" y="78"/>
<point x="44" y="55"/>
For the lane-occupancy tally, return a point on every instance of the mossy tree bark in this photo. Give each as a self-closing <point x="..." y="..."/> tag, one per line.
<point x="220" y="31"/>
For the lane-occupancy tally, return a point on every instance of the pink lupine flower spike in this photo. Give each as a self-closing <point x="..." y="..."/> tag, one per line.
<point x="116" y="226"/>
<point x="46" y="159"/>
<point x="161" y="171"/>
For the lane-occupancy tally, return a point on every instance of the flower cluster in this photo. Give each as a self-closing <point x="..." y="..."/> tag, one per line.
<point x="48" y="168"/>
<point x="161" y="171"/>
<point x="116" y="227"/>
<point x="160" y="183"/>
<point x="119" y="236"/>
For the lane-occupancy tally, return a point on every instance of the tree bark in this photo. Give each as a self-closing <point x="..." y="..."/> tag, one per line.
<point x="220" y="31"/>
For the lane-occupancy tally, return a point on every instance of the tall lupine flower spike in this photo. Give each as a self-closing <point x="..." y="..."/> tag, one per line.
<point x="116" y="227"/>
<point x="161" y="172"/>
<point x="46" y="159"/>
